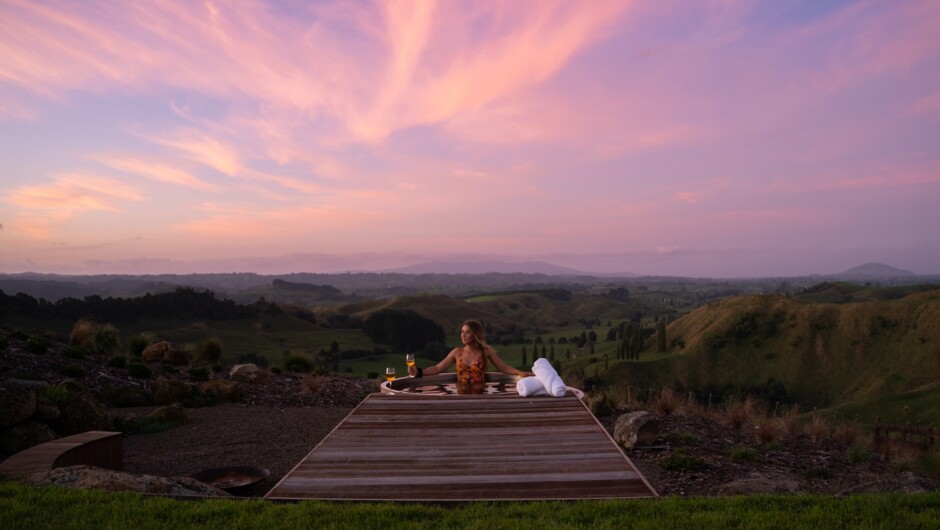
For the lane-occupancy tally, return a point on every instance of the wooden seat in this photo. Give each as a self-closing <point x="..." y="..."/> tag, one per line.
<point x="95" y="448"/>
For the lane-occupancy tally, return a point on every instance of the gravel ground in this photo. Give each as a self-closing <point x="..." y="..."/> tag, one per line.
<point x="232" y="435"/>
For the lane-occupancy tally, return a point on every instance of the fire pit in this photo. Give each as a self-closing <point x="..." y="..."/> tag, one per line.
<point x="232" y="477"/>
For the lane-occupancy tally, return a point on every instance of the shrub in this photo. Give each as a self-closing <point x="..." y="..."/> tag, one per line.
<point x="743" y="453"/>
<point x="601" y="405"/>
<point x="791" y="420"/>
<point x="170" y="369"/>
<point x="29" y="375"/>
<point x="816" y="427"/>
<point x="143" y="425"/>
<point x="372" y="375"/>
<point x="136" y="345"/>
<point x="118" y="361"/>
<point x="199" y="374"/>
<point x="768" y="429"/>
<point x="737" y="414"/>
<point x="139" y="371"/>
<point x="37" y="345"/>
<point x="83" y="332"/>
<point x="253" y="358"/>
<point x="105" y="340"/>
<point x="845" y="433"/>
<point x="680" y="460"/>
<point x="297" y="363"/>
<point x="276" y="370"/>
<point x="857" y="454"/>
<point x="75" y="352"/>
<point x="58" y="395"/>
<point x="70" y="370"/>
<point x="19" y="335"/>
<point x="210" y="350"/>
<point x="666" y="403"/>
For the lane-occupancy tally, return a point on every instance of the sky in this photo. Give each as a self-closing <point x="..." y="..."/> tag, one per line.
<point x="695" y="138"/>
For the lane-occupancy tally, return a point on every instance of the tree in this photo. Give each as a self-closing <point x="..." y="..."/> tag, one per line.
<point x="334" y="346"/>
<point x="661" y="335"/>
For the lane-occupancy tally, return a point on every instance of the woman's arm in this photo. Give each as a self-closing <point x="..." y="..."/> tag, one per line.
<point x="502" y="366"/>
<point x="437" y="368"/>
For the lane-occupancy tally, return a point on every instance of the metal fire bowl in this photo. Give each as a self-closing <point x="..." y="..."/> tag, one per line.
<point x="232" y="477"/>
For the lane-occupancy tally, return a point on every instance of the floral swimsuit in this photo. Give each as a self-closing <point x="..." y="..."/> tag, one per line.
<point x="472" y="374"/>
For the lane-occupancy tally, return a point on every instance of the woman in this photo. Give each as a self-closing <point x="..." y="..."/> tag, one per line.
<point x="471" y="359"/>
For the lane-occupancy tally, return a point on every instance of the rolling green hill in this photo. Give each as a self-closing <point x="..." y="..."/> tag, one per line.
<point x="856" y="358"/>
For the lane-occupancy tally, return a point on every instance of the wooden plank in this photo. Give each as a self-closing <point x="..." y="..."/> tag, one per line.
<point x="97" y="448"/>
<point x="457" y="448"/>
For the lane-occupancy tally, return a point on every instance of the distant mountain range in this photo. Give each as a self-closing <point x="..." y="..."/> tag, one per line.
<point x="502" y="267"/>
<point x="875" y="270"/>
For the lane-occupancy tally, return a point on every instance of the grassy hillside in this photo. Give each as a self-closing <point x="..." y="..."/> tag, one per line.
<point x="859" y="358"/>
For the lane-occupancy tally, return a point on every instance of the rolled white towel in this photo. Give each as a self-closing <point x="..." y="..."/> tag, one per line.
<point x="530" y="386"/>
<point x="549" y="377"/>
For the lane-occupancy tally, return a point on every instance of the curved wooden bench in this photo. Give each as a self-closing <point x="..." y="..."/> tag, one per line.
<point x="94" y="448"/>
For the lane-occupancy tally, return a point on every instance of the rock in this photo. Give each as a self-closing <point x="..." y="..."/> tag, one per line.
<point x="906" y="482"/>
<point x="167" y="392"/>
<point x="761" y="484"/>
<point x="17" y="403"/>
<point x="221" y="390"/>
<point x="164" y="352"/>
<point x="126" y="396"/>
<point x="251" y="373"/>
<point x="24" y="435"/>
<point x="82" y="412"/>
<point x="174" y="414"/>
<point x="636" y="428"/>
<point x="90" y="477"/>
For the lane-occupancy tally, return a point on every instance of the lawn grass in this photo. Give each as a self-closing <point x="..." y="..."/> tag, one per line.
<point x="50" y="507"/>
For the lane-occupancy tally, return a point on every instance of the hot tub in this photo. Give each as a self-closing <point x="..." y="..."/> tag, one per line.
<point x="495" y="383"/>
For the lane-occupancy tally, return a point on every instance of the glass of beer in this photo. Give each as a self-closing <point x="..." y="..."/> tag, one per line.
<point x="390" y="373"/>
<point x="410" y="359"/>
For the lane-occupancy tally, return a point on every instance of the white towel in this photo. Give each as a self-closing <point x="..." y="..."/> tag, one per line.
<point x="530" y="386"/>
<point x="549" y="377"/>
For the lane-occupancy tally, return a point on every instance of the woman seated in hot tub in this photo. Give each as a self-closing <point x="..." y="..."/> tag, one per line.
<point x="471" y="359"/>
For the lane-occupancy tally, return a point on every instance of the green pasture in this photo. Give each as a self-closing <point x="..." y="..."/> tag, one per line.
<point x="29" y="507"/>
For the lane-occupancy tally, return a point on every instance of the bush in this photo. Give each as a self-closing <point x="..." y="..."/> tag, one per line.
<point x="136" y="345"/>
<point x="58" y="395"/>
<point x="105" y="340"/>
<point x="139" y="371"/>
<point x="143" y="425"/>
<point x="118" y="361"/>
<point x="745" y="454"/>
<point x="276" y="370"/>
<point x="37" y="345"/>
<point x="70" y="370"/>
<point x="667" y="402"/>
<point x="679" y="460"/>
<point x="75" y="352"/>
<point x="83" y="332"/>
<point x="372" y="375"/>
<point x="297" y="363"/>
<point x="210" y="350"/>
<point x="601" y="405"/>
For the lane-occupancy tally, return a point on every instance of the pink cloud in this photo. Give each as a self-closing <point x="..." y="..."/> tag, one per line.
<point x="155" y="170"/>
<point x="74" y="193"/>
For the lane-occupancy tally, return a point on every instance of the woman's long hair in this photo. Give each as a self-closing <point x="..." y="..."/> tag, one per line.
<point x="479" y="338"/>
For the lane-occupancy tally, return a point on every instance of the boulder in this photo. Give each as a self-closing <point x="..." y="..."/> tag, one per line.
<point x="636" y="428"/>
<point x="24" y="435"/>
<point x="90" y="477"/>
<point x="221" y="390"/>
<point x="17" y="403"/>
<point x="82" y="412"/>
<point x="167" y="392"/>
<point x="164" y="352"/>
<point x="174" y="414"/>
<point x="251" y="373"/>
<point x="156" y="352"/>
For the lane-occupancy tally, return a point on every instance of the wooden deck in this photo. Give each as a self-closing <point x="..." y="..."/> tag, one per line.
<point x="461" y="448"/>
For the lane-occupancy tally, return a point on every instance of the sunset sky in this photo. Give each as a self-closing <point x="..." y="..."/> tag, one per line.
<point x="699" y="138"/>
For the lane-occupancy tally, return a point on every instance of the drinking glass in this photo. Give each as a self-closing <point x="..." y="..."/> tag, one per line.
<point x="410" y="359"/>
<point x="390" y="374"/>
